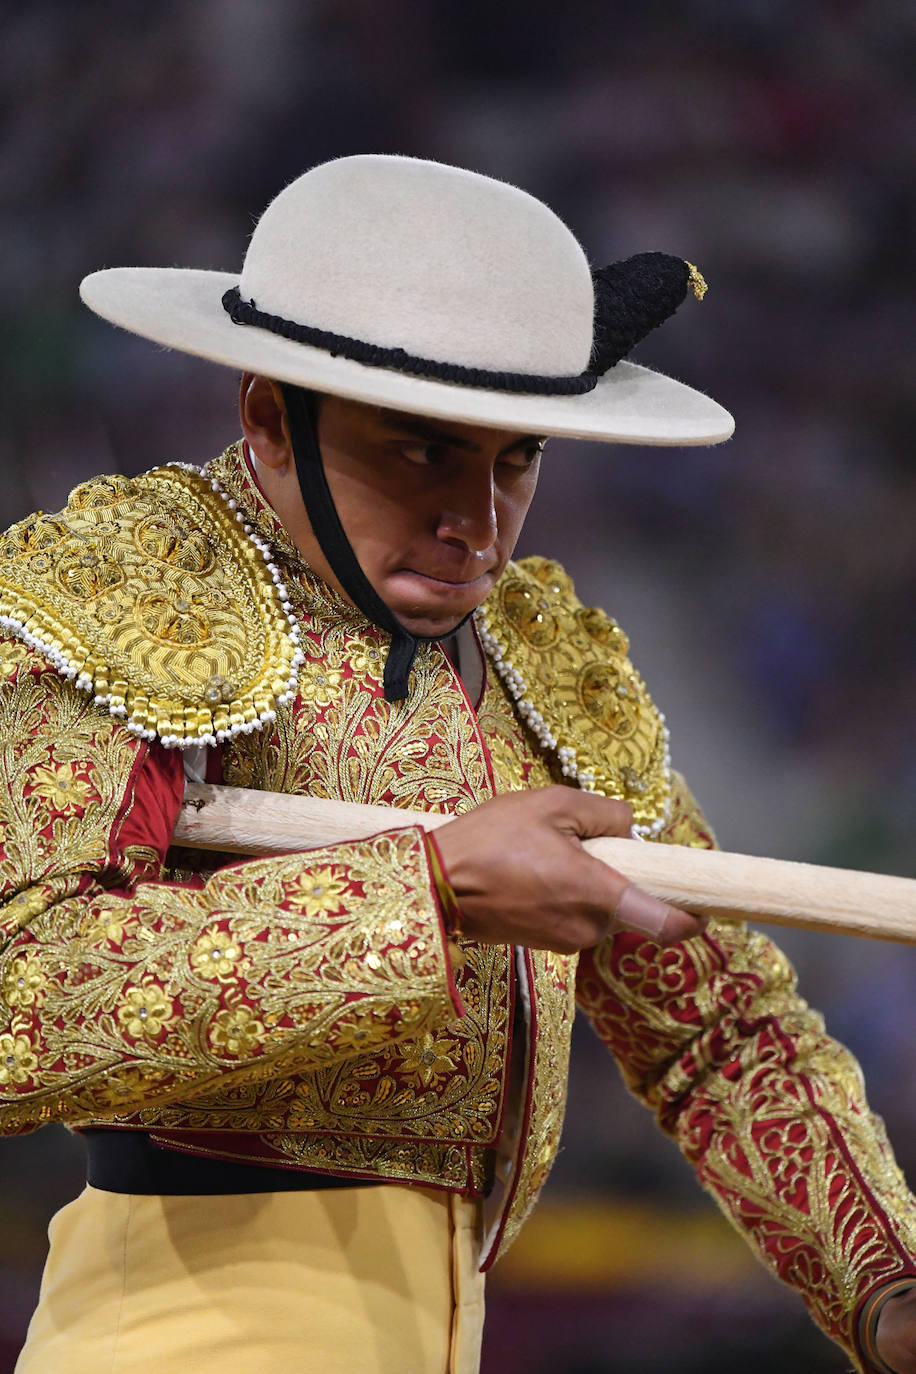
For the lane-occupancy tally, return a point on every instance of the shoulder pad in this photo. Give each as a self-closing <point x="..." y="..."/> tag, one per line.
<point x="149" y="594"/>
<point x="567" y="668"/>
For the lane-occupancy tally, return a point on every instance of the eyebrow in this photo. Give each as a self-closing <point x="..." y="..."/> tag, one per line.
<point x="423" y="428"/>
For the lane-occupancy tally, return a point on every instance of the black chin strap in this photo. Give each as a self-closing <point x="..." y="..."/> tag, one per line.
<point x="336" y="547"/>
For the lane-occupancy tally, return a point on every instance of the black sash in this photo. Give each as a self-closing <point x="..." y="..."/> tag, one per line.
<point x="125" y="1161"/>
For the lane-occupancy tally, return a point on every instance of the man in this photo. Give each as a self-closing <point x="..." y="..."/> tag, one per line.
<point x="322" y="1091"/>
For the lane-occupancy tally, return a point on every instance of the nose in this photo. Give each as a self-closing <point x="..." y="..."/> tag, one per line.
<point x="468" y="512"/>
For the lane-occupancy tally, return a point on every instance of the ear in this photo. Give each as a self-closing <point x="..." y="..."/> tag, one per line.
<point x="264" y="424"/>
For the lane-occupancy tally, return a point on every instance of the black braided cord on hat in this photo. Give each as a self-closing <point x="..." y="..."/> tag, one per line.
<point x="632" y="298"/>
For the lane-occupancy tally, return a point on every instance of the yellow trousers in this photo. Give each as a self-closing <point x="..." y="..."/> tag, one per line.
<point x="377" y="1280"/>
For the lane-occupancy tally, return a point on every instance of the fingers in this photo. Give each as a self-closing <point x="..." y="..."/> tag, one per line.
<point x="521" y="875"/>
<point x="632" y="907"/>
<point x="587" y="814"/>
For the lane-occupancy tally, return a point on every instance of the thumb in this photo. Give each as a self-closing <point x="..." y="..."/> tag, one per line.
<point x="666" y="925"/>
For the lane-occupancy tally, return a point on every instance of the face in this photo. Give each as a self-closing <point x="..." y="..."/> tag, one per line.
<point x="432" y="508"/>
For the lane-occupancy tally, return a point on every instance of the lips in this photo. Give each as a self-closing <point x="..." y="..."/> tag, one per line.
<point x="465" y="576"/>
<point x="432" y="585"/>
<point x="416" y="589"/>
<point x="444" y="581"/>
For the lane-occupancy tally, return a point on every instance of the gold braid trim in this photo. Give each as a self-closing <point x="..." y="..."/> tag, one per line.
<point x="149" y="594"/>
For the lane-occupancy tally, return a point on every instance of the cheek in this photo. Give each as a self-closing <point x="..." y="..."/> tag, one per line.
<point x="381" y="523"/>
<point x="511" y="509"/>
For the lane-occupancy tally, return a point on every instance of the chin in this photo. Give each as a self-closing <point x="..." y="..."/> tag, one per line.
<point x="425" y="627"/>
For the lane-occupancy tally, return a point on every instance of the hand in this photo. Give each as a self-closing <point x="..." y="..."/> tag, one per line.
<point x="521" y="876"/>
<point x="896" y="1333"/>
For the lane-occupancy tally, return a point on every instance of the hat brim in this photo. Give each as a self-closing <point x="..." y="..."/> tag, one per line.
<point x="182" y="308"/>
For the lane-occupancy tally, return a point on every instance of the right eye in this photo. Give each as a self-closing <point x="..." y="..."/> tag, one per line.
<point x="423" y="454"/>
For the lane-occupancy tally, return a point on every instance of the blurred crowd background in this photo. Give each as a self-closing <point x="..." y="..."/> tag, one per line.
<point x="767" y="584"/>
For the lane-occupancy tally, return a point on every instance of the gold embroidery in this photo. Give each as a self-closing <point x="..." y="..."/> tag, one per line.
<point x="554" y="999"/>
<point x="145" y="1011"/>
<point x="36" y="843"/>
<point x="322" y="889"/>
<point x="17" y="1060"/>
<point x="61" y="787"/>
<point x="382" y="1092"/>
<point x="580" y="684"/>
<point x="774" y="1151"/>
<point x="302" y="1003"/>
<point x="439" y="1165"/>
<point x="22" y="984"/>
<point x="215" y="954"/>
<point x="236" y="1032"/>
<point x="345" y="740"/>
<point x="515" y="764"/>
<point x="12" y="655"/>
<point x="134" y="600"/>
<point x="713" y="1036"/>
<point x="299" y="982"/>
<point x="127" y="1014"/>
<point x="429" y="1059"/>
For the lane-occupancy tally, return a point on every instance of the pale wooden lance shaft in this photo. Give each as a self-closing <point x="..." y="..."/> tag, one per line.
<point x="706" y="882"/>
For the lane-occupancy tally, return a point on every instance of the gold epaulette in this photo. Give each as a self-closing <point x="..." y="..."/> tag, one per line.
<point x="567" y="668"/>
<point x="149" y="593"/>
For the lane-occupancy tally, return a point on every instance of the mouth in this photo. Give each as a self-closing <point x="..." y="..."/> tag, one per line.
<point x="446" y="582"/>
<point x="426" y="594"/>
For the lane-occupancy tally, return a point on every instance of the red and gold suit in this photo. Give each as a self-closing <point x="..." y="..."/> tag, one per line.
<point x="309" y="1010"/>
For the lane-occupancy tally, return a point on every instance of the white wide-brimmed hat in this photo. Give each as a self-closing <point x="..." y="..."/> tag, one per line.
<point x="430" y="289"/>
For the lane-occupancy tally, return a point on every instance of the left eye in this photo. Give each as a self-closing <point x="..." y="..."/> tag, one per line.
<point x="524" y="457"/>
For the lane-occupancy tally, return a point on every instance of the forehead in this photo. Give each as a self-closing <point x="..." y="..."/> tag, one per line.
<point x="458" y="434"/>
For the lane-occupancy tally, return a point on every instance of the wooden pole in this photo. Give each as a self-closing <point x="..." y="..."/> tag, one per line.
<point x="702" y="881"/>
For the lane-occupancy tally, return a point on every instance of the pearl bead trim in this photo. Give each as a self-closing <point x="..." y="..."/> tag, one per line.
<point x="566" y="756"/>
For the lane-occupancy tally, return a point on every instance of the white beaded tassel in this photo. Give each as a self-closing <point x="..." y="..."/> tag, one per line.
<point x="583" y="777"/>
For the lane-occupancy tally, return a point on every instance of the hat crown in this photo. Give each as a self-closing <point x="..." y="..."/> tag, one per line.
<point x="441" y="262"/>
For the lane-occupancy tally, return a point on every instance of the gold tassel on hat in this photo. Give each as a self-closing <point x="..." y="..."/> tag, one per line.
<point x="697" y="281"/>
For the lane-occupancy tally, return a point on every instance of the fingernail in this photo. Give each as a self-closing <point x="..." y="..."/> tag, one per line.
<point x="639" y="911"/>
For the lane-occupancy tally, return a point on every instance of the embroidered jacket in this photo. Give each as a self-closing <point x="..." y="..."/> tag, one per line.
<point x="307" y="1010"/>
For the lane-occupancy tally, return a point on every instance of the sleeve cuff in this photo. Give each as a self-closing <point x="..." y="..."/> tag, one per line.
<point x="449" y="915"/>
<point x="868" y="1324"/>
<point x="451" y="911"/>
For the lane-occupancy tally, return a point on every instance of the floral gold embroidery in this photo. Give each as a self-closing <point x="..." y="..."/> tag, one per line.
<point x="120" y="976"/>
<point x="145" y="1012"/>
<point x="361" y="1033"/>
<point x="237" y="1032"/>
<point x="18" y="1061"/>
<point x="61" y="787"/>
<point x="215" y="954"/>
<point x="429" y="1059"/>
<point x="22" y="983"/>
<point x="713" y="1036"/>
<point x="322" y="889"/>
<point x="320" y="685"/>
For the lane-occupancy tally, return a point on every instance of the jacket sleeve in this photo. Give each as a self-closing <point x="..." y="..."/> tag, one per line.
<point x="118" y="989"/>
<point x="713" y="1036"/>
